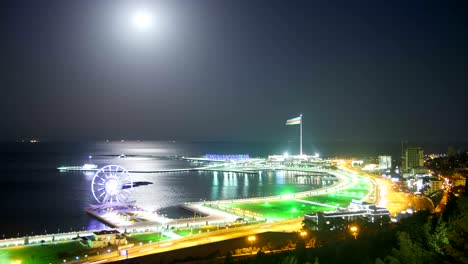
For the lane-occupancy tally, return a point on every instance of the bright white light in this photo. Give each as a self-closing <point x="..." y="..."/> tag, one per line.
<point x="142" y="20"/>
<point x="113" y="178"/>
<point x="112" y="186"/>
<point x="285" y="154"/>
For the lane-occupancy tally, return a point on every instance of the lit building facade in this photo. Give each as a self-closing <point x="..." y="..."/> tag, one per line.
<point x="357" y="209"/>
<point x="105" y="238"/>
<point x="414" y="157"/>
<point x="385" y="162"/>
<point x="433" y="186"/>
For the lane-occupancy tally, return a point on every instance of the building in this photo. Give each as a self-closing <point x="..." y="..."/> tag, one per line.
<point x="432" y="186"/>
<point x="356" y="209"/>
<point x="385" y="162"/>
<point x="458" y="180"/>
<point x="416" y="172"/>
<point x="414" y="158"/>
<point x="451" y="151"/>
<point x="105" y="238"/>
<point x="357" y="163"/>
<point x="413" y="163"/>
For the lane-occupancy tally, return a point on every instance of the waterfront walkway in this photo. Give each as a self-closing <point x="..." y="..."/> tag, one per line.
<point x="201" y="169"/>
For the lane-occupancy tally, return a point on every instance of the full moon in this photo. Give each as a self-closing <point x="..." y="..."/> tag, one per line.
<point x="142" y="20"/>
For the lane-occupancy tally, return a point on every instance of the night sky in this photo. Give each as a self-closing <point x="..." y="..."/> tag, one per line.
<point x="234" y="70"/>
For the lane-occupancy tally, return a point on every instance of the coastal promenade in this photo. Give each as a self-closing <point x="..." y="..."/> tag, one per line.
<point x="213" y="212"/>
<point x="293" y="225"/>
<point x="205" y="168"/>
<point x="216" y="214"/>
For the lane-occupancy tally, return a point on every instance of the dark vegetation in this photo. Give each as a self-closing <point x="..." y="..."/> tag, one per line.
<point x="421" y="238"/>
<point x="451" y="166"/>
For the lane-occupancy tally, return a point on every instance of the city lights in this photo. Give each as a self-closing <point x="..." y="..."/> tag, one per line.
<point x="354" y="231"/>
<point x="251" y="239"/>
<point x="173" y="131"/>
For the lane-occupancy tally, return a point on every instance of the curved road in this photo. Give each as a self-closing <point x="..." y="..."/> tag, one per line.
<point x="293" y="225"/>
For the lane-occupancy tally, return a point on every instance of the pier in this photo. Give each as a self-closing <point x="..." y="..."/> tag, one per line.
<point x="201" y="169"/>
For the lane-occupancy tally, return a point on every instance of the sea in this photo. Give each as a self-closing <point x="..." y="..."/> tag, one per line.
<point x="37" y="198"/>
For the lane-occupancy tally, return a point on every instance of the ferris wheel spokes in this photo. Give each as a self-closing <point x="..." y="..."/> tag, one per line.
<point x="111" y="184"/>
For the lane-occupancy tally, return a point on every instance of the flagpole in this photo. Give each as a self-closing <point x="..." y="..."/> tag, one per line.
<point x="301" y="135"/>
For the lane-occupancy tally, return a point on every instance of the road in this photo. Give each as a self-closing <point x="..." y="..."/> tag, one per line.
<point x="387" y="196"/>
<point x="345" y="180"/>
<point x="442" y="202"/>
<point x="293" y="225"/>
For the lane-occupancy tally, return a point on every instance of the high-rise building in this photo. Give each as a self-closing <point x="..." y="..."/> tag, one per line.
<point x="402" y="157"/>
<point x="414" y="157"/>
<point x="451" y="151"/>
<point x="385" y="162"/>
<point x="433" y="186"/>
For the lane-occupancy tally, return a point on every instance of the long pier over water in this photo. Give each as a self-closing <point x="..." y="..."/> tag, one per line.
<point x="218" y="169"/>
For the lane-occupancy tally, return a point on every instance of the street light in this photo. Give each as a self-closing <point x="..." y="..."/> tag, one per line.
<point x="303" y="234"/>
<point x="354" y="231"/>
<point x="251" y="239"/>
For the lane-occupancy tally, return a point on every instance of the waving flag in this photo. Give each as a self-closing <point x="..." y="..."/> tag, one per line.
<point x="294" y="121"/>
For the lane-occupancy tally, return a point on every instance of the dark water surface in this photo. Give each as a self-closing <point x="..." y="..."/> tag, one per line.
<point x="36" y="197"/>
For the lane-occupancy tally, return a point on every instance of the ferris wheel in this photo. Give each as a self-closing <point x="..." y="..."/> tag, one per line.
<point x="111" y="184"/>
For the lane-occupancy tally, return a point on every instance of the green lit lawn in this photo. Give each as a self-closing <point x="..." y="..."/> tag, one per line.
<point x="272" y="210"/>
<point x="331" y="199"/>
<point x="196" y="230"/>
<point x="356" y="193"/>
<point x="204" y="229"/>
<point x="185" y="232"/>
<point x="39" y="254"/>
<point x="146" y="237"/>
<point x="343" y="198"/>
<point x="56" y="253"/>
<point x="276" y="210"/>
<point x="289" y="208"/>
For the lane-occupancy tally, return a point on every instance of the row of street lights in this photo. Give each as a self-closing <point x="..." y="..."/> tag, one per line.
<point x="252" y="239"/>
<point x="354" y="231"/>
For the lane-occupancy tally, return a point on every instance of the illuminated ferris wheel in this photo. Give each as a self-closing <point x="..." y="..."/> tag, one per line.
<point x="111" y="184"/>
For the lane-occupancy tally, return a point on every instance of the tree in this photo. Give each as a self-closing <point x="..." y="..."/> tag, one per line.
<point x="415" y="226"/>
<point x="379" y="261"/>
<point x="316" y="260"/>
<point x="300" y="251"/>
<point x="228" y="259"/>
<point x="457" y="230"/>
<point x="438" y="240"/>
<point x="451" y="209"/>
<point x="291" y="259"/>
<point x="412" y="252"/>
<point x="390" y="259"/>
